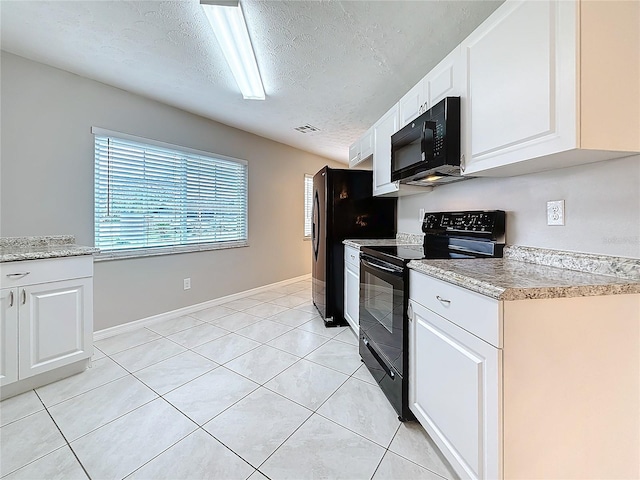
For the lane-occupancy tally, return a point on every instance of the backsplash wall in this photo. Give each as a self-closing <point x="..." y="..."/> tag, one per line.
<point x="602" y="206"/>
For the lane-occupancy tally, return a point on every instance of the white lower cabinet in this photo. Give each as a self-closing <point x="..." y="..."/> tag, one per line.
<point x="45" y="325"/>
<point x="8" y="336"/>
<point x="516" y="389"/>
<point x="454" y="391"/>
<point x="352" y="287"/>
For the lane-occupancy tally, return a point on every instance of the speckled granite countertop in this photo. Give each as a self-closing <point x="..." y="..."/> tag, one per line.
<point x="14" y="249"/>
<point x="401" y="239"/>
<point x="511" y="278"/>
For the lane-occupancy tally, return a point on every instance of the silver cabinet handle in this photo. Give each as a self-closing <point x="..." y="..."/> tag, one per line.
<point x="410" y="312"/>
<point x="18" y="275"/>
<point x="11" y="298"/>
<point x="443" y="300"/>
<point x="24" y="296"/>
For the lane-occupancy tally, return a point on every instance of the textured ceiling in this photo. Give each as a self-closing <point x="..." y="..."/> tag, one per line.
<point x="336" y="65"/>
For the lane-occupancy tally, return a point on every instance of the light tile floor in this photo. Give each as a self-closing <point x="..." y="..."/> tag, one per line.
<point x="254" y="388"/>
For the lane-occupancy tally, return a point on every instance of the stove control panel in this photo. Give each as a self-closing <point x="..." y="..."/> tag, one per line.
<point x="486" y="224"/>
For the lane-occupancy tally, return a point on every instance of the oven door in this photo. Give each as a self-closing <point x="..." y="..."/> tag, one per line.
<point x="382" y="292"/>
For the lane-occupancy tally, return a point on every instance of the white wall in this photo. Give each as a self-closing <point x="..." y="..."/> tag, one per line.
<point x="46" y="180"/>
<point x="602" y="206"/>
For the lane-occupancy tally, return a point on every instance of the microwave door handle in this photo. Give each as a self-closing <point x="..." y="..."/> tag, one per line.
<point x="429" y="125"/>
<point x="427" y="142"/>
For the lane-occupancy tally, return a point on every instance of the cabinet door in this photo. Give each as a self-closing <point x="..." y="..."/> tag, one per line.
<point x="8" y="335"/>
<point x="354" y="153"/>
<point x="521" y="86"/>
<point x="454" y="392"/>
<point x="413" y="103"/>
<point x="352" y="296"/>
<point x="382" y="131"/>
<point x="56" y="325"/>
<point x="446" y="79"/>
<point x="366" y="144"/>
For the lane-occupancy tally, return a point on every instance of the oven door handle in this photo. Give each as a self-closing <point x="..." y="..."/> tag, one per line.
<point x="377" y="266"/>
<point x="377" y="357"/>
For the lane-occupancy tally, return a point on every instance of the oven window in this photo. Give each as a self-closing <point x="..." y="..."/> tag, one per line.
<point x="378" y="300"/>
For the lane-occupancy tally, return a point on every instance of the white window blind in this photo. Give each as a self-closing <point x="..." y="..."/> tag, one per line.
<point x="153" y="199"/>
<point x="308" y="203"/>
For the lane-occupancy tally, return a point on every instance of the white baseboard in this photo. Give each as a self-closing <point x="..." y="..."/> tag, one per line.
<point x="136" y="324"/>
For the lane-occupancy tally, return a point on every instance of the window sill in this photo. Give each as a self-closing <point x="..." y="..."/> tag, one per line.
<point x="107" y="255"/>
<point x="306" y="239"/>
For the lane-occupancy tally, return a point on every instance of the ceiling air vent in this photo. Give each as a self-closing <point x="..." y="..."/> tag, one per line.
<point x="307" y="129"/>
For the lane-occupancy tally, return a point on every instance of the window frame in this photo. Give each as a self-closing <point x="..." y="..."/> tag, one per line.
<point x="309" y="219"/>
<point x="147" y="251"/>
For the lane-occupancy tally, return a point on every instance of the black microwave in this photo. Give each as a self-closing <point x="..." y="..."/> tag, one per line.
<point x="427" y="150"/>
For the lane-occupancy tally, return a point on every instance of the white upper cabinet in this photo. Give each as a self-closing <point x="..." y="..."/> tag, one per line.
<point x="446" y="79"/>
<point x="550" y="84"/>
<point x="366" y="144"/>
<point x="354" y="153"/>
<point x="382" y="131"/>
<point x="413" y="103"/>
<point x="361" y="149"/>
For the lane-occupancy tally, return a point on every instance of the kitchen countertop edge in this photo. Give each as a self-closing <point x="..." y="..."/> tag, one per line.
<point x="17" y="249"/>
<point x="401" y="239"/>
<point x="467" y="280"/>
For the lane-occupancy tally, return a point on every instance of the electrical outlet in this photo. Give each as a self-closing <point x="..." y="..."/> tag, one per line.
<point x="555" y="212"/>
<point x="187" y="283"/>
<point x="421" y="215"/>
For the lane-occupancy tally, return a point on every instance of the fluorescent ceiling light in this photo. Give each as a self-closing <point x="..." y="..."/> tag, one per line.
<point x="230" y="29"/>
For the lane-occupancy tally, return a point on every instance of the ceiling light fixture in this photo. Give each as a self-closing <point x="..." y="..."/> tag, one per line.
<point x="230" y="28"/>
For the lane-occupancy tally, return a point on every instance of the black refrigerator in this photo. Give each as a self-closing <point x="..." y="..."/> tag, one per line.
<point x="343" y="207"/>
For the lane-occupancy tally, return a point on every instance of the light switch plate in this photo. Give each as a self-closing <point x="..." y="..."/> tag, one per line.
<point x="555" y="212"/>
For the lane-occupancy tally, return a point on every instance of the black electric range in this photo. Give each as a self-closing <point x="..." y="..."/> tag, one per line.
<point x="384" y="290"/>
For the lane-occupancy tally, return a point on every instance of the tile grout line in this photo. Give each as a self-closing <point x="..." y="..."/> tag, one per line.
<point x="182" y="384"/>
<point x="86" y="391"/>
<point x="112" y="420"/>
<point x="64" y="438"/>
<point x="163" y="451"/>
<point x="219" y="413"/>
<point x="133" y="346"/>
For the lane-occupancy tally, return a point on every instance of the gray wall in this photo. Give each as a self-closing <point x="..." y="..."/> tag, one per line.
<point x="46" y="180"/>
<point x="602" y="206"/>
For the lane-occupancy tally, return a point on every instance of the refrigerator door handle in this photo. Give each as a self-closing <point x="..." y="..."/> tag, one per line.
<point x="315" y="225"/>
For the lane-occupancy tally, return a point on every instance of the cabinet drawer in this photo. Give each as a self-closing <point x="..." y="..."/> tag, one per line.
<point x="352" y="256"/>
<point x="477" y="314"/>
<point x="46" y="270"/>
